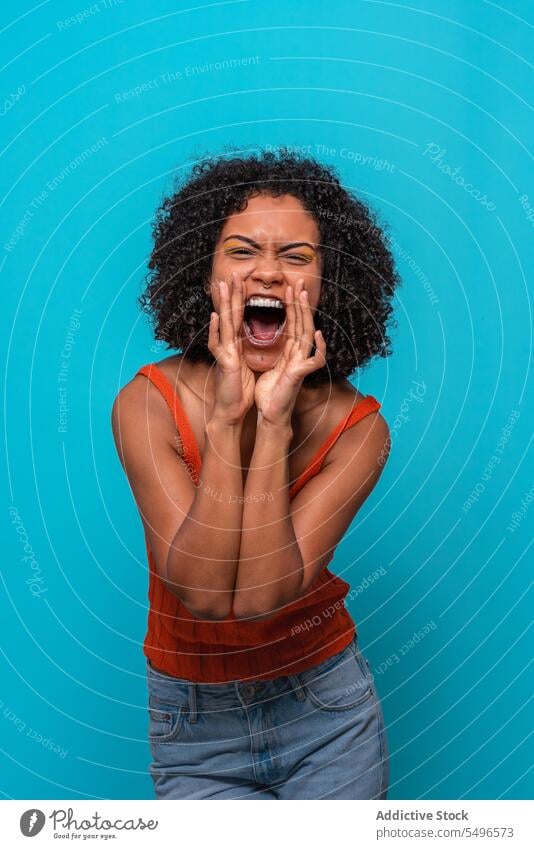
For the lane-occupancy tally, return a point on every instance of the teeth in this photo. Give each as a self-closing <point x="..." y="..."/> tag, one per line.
<point x="264" y="302"/>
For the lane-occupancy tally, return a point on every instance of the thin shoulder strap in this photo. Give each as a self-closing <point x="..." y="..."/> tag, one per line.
<point x="161" y="382"/>
<point x="356" y="413"/>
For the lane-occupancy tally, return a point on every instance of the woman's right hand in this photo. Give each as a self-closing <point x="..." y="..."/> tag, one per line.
<point x="235" y="381"/>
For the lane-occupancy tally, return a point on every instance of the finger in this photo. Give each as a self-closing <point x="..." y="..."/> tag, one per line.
<point x="319" y="358"/>
<point x="290" y="315"/>
<point x="309" y="327"/>
<point x="281" y="361"/>
<point x="237" y="302"/>
<point x="226" y="329"/>
<point x="299" y="324"/>
<point x="298" y="317"/>
<point x="213" y="334"/>
<point x="308" y="324"/>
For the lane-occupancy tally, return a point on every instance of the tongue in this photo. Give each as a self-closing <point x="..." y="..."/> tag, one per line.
<point x="263" y="328"/>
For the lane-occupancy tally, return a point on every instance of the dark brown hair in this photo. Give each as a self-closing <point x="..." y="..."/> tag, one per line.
<point x="358" y="277"/>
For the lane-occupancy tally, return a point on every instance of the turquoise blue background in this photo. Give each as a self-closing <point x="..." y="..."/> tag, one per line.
<point x="355" y="81"/>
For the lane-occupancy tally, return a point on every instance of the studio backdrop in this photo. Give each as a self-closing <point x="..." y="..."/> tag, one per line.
<point x="422" y="109"/>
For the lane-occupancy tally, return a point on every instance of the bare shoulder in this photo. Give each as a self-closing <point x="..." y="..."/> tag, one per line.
<point x="139" y="392"/>
<point x="130" y="402"/>
<point x="347" y="392"/>
<point x="140" y="415"/>
<point x="173" y="367"/>
<point x="370" y="434"/>
<point x="345" y="397"/>
<point x="187" y="378"/>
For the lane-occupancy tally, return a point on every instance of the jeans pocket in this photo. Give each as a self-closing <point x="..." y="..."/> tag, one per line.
<point x="342" y="685"/>
<point x="165" y="721"/>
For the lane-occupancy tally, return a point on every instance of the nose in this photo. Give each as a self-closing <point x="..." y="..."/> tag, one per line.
<point x="267" y="271"/>
<point x="266" y="280"/>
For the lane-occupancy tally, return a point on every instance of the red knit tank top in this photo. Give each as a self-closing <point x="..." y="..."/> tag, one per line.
<point x="299" y="635"/>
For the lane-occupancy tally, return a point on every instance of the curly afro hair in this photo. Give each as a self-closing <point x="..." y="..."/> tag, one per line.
<point x="358" y="271"/>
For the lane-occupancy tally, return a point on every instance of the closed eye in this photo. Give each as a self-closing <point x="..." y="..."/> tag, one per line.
<point x="300" y="258"/>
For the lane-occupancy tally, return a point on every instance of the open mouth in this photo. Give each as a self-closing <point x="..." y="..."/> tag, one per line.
<point x="264" y="320"/>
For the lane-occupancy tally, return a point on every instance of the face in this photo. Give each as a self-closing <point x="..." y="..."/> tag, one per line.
<point x="272" y="244"/>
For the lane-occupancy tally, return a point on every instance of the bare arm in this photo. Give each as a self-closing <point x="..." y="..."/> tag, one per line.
<point x="285" y="545"/>
<point x="270" y="561"/>
<point x="193" y="534"/>
<point x="194" y="531"/>
<point x="203" y="556"/>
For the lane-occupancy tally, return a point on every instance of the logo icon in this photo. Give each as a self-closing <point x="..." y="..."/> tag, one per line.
<point x="31" y="822"/>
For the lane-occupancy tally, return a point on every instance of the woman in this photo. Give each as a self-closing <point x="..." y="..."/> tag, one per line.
<point x="249" y="455"/>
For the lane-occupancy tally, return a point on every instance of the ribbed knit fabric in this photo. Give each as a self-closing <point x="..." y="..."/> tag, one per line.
<point x="297" y="636"/>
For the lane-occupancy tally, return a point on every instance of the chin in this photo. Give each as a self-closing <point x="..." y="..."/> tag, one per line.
<point x="261" y="360"/>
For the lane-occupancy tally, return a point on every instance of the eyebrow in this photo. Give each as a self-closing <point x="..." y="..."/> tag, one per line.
<point x="256" y="245"/>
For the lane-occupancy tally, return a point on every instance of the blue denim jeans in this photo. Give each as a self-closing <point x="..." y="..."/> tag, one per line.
<point x="318" y="734"/>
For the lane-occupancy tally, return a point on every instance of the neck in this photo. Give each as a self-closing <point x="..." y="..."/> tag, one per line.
<point x="307" y="399"/>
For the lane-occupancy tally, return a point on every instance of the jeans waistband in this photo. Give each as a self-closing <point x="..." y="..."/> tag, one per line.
<point x="196" y="696"/>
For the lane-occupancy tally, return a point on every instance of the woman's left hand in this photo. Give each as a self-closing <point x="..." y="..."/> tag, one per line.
<point x="277" y="389"/>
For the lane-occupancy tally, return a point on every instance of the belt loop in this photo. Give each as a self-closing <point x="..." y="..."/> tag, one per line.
<point x="297" y="686"/>
<point x="192" y="702"/>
